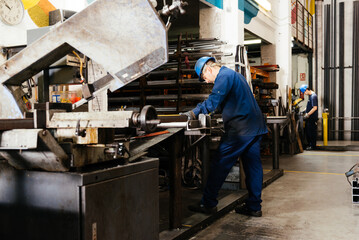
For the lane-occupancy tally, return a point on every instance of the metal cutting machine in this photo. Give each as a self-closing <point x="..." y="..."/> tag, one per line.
<point x="126" y="38"/>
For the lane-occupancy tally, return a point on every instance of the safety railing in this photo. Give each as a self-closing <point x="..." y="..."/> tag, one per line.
<point x="302" y="24"/>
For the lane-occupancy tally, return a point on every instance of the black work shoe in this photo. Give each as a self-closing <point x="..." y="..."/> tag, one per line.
<point x="199" y="207"/>
<point x="309" y="148"/>
<point x="243" y="209"/>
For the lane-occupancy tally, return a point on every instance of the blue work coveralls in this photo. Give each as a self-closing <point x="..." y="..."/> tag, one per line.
<point x="244" y="126"/>
<point x="311" y="126"/>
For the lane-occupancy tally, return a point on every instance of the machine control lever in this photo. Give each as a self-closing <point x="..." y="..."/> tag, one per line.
<point x="78" y="131"/>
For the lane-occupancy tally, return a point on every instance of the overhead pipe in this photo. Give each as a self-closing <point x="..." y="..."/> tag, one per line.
<point x="333" y="70"/>
<point x="326" y="54"/>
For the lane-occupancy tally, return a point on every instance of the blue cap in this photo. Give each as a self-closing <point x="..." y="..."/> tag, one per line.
<point x="200" y="65"/>
<point x="303" y="88"/>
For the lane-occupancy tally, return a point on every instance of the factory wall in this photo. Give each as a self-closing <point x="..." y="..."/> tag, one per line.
<point x="300" y="70"/>
<point x="226" y="24"/>
<point x="35" y="12"/>
<point x="300" y="76"/>
<point x="273" y="26"/>
<point x="264" y="24"/>
<point x="15" y="35"/>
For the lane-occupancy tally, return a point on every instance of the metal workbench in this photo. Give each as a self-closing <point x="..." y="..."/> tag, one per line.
<point x="186" y="227"/>
<point x="103" y="201"/>
<point x="276" y="121"/>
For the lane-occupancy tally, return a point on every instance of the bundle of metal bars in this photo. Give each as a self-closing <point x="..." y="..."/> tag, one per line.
<point x="173" y="87"/>
<point x="333" y="89"/>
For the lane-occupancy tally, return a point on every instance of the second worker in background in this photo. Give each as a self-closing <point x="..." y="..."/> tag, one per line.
<point x="244" y="126"/>
<point x="310" y="117"/>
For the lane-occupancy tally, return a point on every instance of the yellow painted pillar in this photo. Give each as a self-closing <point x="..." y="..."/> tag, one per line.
<point x="325" y="128"/>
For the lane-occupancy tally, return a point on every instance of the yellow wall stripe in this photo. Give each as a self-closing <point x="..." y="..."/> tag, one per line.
<point x="339" y="174"/>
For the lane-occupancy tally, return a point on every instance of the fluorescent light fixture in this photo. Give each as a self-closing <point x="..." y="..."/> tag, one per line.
<point x="254" y="41"/>
<point x="265" y="4"/>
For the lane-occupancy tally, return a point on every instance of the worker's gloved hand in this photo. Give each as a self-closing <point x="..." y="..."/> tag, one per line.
<point x="306" y="116"/>
<point x="190" y="115"/>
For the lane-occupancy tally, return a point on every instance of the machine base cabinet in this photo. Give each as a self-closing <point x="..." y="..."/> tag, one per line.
<point x="114" y="203"/>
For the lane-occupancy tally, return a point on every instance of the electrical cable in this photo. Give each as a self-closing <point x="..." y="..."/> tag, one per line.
<point x="35" y="86"/>
<point x="81" y="66"/>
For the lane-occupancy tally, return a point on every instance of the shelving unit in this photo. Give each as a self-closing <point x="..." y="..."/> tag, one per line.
<point x="173" y="87"/>
<point x="263" y="88"/>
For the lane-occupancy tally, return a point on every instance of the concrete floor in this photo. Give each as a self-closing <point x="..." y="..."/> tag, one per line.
<point x="311" y="201"/>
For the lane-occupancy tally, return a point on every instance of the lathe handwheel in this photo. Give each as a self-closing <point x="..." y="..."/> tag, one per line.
<point x="148" y="113"/>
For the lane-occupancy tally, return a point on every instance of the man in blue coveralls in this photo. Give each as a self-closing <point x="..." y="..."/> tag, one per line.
<point x="310" y="117"/>
<point x="244" y="126"/>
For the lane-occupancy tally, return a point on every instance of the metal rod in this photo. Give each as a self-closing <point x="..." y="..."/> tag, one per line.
<point x="345" y="118"/>
<point x="172" y="118"/>
<point x="333" y="85"/>
<point x="310" y="70"/>
<point x="167" y="83"/>
<point x="303" y="24"/>
<point x="179" y="73"/>
<point x="316" y="48"/>
<point x="158" y="109"/>
<point x="355" y="72"/>
<point x="160" y="97"/>
<point x="296" y="22"/>
<point x="172" y="125"/>
<point x="275" y="146"/>
<point x="153" y="121"/>
<point x="326" y="54"/>
<point x="352" y="131"/>
<point x="123" y="99"/>
<point x="341" y="68"/>
<point x="324" y="68"/>
<point x="356" y="67"/>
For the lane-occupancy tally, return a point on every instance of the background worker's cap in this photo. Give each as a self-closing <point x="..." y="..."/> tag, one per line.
<point x="200" y="65"/>
<point x="303" y="88"/>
